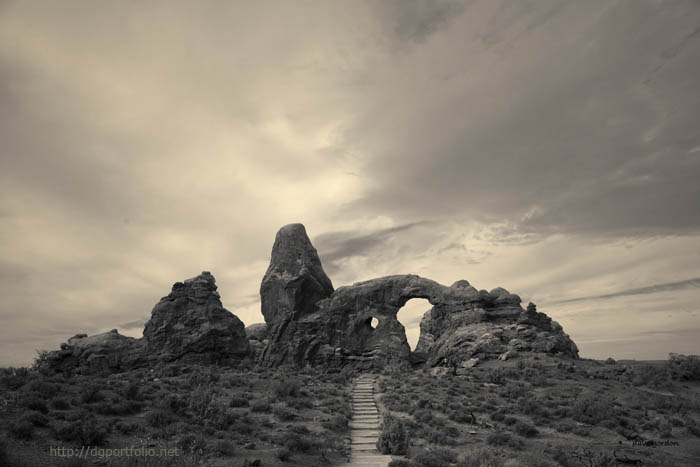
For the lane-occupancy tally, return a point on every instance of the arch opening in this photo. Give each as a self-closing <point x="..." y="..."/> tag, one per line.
<point x="410" y="315"/>
<point x="374" y="322"/>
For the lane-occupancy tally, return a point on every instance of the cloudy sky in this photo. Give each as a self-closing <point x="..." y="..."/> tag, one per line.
<point x="548" y="147"/>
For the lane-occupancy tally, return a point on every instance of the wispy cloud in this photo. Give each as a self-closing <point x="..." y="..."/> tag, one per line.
<point x="650" y="289"/>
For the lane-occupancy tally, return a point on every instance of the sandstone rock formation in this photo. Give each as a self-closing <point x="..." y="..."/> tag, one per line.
<point x="310" y="323"/>
<point x="99" y="354"/>
<point x="292" y="286"/>
<point x="188" y="325"/>
<point x="307" y="322"/>
<point x="257" y="337"/>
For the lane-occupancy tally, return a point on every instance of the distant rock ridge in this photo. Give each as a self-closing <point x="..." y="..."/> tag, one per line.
<point x="308" y="322"/>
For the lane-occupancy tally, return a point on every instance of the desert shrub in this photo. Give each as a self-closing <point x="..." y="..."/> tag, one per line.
<point x="118" y="408"/>
<point x="199" y="401"/>
<point x="400" y="463"/>
<point x="4" y="456"/>
<point x="126" y="428"/>
<point x="592" y="409"/>
<point x="423" y="416"/>
<point x="337" y="422"/>
<point x="14" y="378"/>
<point x="514" y="390"/>
<point x="91" y="393"/>
<point x="509" y="420"/>
<point x="686" y="368"/>
<point x="59" y="403"/>
<point x="260" y="405"/>
<point x="43" y="388"/>
<point x="300" y="403"/>
<point x="283" y="454"/>
<point x="225" y="447"/>
<point x="393" y="438"/>
<point x="651" y="375"/>
<point x="238" y="401"/>
<point x="174" y="403"/>
<point x="496" y="376"/>
<point x="296" y="442"/>
<point x="499" y="438"/>
<point x="86" y="431"/>
<point x="190" y="443"/>
<point x="132" y="391"/>
<point x="21" y="429"/>
<point x="159" y="418"/>
<point x="285" y="389"/>
<point x="32" y="402"/>
<point x="36" y="418"/>
<point x="435" y="457"/>
<point x="479" y="457"/>
<point x="222" y="420"/>
<point x="525" y="429"/>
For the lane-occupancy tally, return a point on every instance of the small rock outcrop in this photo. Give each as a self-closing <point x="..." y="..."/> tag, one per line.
<point x="104" y="353"/>
<point x="191" y="324"/>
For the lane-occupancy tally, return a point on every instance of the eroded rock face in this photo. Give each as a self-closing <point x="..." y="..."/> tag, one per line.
<point x="191" y="324"/>
<point x="465" y="324"/>
<point x="104" y="353"/>
<point x="188" y="325"/>
<point x="291" y="288"/>
<point x="257" y="337"/>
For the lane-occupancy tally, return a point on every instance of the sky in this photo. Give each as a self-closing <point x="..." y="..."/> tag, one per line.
<point x="548" y="147"/>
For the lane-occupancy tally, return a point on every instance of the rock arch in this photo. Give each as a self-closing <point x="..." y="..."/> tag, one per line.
<point x="310" y="323"/>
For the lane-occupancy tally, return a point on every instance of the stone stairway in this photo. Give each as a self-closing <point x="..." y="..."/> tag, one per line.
<point x="364" y="428"/>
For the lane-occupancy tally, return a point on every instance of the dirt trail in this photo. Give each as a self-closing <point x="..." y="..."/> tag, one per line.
<point x="364" y="428"/>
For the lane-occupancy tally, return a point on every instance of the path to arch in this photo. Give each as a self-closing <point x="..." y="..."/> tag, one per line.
<point x="364" y="428"/>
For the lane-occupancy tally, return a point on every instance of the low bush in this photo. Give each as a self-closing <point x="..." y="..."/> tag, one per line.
<point x="337" y="422"/>
<point x="283" y="413"/>
<point x="297" y="443"/>
<point x="504" y="439"/>
<point x="525" y="429"/>
<point x="159" y="418"/>
<point x="191" y="443"/>
<point x="393" y="438"/>
<point x="225" y="448"/>
<point x="21" y="429"/>
<point x="260" y="405"/>
<point x="43" y="388"/>
<point x="283" y="454"/>
<point x="435" y="457"/>
<point x="91" y="393"/>
<point x="59" y="403"/>
<point x="118" y="408"/>
<point x="35" y="418"/>
<point x="32" y="402"/>
<point x="686" y="368"/>
<point x="238" y="401"/>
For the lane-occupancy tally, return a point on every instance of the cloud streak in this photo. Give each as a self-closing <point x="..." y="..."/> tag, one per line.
<point x="651" y="289"/>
